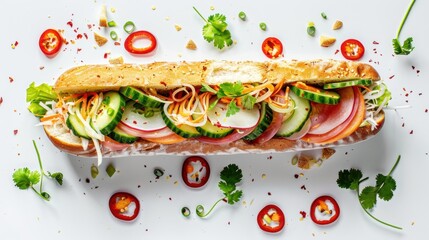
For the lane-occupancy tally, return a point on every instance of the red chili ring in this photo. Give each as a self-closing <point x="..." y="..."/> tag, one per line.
<point x="129" y="42"/>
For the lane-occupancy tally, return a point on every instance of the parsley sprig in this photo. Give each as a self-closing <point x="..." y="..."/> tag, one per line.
<point x="233" y="91"/>
<point x="407" y="47"/>
<point x="230" y="176"/>
<point x="216" y="30"/>
<point x="24" y="178"/>
<point x="383" y="189"/>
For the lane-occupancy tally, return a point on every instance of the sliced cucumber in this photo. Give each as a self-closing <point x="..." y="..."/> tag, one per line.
<point x="264" y="121"/>
<point x="300" y="115"/>
<point x="183" y="130"/>
<point x="122" y="137"/>
<point x="142" y="118"/>
<point x="140" y="97"/>
<point x="74" y="123"/>
<point x="109" y="113"/>
<point x="360" y="82"/>
<point x="325" y="97"/>
<point x="210" y="130"/>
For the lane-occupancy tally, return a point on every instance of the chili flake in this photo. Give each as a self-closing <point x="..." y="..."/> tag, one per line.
<point x="1" y="101"/>
<point x="15" y="131"/>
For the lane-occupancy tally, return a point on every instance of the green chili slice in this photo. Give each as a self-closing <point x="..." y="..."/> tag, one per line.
<point x="186" y="212"/>
<point x="324" y="15"/>
<point x="158" y="172"/>
<point x="242" y="15"/>
<point x="110" y="170"/>
<point x="94" y="171"/>
<point x="113" y="35"/>
<point x="129" y="27"/>
<point x="311" y="29"/>
<point x="111" y="24"/>
<point x="263" y="26"/>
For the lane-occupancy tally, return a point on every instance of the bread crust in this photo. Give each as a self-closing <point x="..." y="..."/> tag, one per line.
<point x="170" y="75"/>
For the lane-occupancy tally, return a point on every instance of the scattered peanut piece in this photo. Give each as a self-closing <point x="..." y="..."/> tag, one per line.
<point x="153" y="8"/>
<point x="100" y="40"/>
<point x="327" y="153"/>
<point x="103" y="17"/>
<point x="191" y="45"/>
<point x="116" y="60"/>
<point x="178" y="27"/>
<point x="327" y="41"/>
<point x="337" y="25"/>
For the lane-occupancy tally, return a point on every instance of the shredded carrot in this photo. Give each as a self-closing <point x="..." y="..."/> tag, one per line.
<point x="365" y="87"/>
<point x="304" y="86"/>
<point x="50" y="117"/>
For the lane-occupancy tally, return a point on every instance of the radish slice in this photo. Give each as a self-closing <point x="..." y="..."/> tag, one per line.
<point x="144" y="134"/>
<point x="327" y="117"/>
<point x="135" y="119"/>
<point x="304" y="130"/>
<point x="112" y="145"/>
<point x="234" y="136"/>
<point x="243" y="119"/>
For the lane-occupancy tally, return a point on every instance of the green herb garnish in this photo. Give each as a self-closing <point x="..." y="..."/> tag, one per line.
<point x="324" y="16"/>
<point x="37" y="94"/>
<point x="383" y="189"/>
<point x="407" y="47"/>
<point x="24" y="178"/>
<point x="110" y="170"/>
<point x="230" y="176"/>
<point x="216" y="30"/>
<point x="233" y="91"/>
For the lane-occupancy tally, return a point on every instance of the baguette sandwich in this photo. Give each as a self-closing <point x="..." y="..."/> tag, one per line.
<point x="210" y="107"/>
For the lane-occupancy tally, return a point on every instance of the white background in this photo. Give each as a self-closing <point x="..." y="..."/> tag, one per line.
<point x="79" y="209"/>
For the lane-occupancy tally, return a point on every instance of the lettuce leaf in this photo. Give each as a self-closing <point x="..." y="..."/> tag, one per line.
<point x="386" y="95"/>
<point x="37" y="94"/>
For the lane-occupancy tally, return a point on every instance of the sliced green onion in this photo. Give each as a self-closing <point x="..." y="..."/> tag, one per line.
<point x="324" y="15"/>
<point x="129" y="27"/>
<point x="263" y="26"/>
<point x="113" y="35"/>
<point x="149" y="113"/>
<point x="294" y="160"/>
<point x="311" y="29"/>
<point x="186" y="212"/>
<point x="110" y="170"/>
<point x="242" y="15"/>
<point x="158" y="172"/>
<point x="94" y="171"/>
<point x="111" y="24"/>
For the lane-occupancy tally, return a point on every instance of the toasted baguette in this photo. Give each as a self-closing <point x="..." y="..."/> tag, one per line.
<point x="169" y="75"/>
<point x="64" y="140"/>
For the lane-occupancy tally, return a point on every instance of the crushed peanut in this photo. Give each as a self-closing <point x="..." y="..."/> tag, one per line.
<point x="100" y="40"/>
<point x="178" y="27"/>
<point x="191" y="45"/>
<point x="337" y="25"/>
<point x="116" y="60"/>
<point x="327" y="41"/>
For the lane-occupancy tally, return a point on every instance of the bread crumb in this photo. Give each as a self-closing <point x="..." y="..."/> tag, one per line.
<point x="100" y="40"/>
<point x="116" y="60"/>
<point x="327" y="153"/>
<point x="178" y="27"/>
<point x="337" y="25"/>
<point x="191" y="45"/>
<point x="327" y="41"/>
<point x="103" y="17"/>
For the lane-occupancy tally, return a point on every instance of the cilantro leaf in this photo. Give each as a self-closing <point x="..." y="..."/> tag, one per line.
<point x="230" y="89"/>
<point x="235" y="197"/>
<point x="24" y="178"/>
<point x="386" y="185"/>
<point x="57" y="176"/>
<point x="248" y="101"/>
<point x="407" y="47"/>
<point x="216" y="31"/>
<point x="368" y="197"/>
<point x="231" y="174"/>
<point x="232" y="109"/>
<point x="349" y="179"/>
